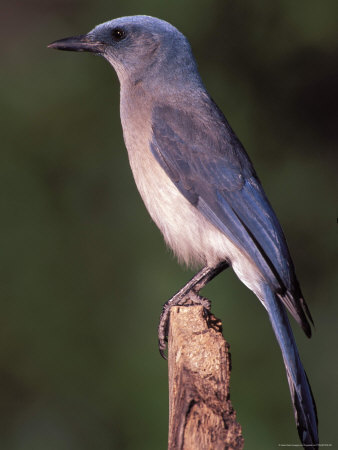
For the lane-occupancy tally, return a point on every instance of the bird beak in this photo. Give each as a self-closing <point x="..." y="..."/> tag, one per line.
<point x="82" y="43"/>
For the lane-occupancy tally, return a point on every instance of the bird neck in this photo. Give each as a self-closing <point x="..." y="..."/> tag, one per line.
<point x="169" y="70"/>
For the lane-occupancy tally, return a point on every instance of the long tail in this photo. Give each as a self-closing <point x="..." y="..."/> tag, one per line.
<point x="303" y="402"/>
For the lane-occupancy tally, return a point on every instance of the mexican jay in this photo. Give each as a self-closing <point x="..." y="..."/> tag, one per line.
<point x="198" y="183"/>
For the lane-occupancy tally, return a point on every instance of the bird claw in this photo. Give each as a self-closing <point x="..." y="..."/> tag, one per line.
<point x="189" y="299"/>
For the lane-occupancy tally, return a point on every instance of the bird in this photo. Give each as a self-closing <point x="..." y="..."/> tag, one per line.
<point x="199" y="184"/>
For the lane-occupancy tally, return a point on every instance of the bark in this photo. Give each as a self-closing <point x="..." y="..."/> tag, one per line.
<point x="201" y="415"/>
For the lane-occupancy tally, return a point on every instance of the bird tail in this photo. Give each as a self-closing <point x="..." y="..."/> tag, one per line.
<point x="303" y="402"/>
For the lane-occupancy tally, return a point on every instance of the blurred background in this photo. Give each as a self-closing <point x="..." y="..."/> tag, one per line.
<point x="84" y="271"/>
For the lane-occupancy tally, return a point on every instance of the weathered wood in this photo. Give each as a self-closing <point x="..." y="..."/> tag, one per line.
<point x="201" y="416"/>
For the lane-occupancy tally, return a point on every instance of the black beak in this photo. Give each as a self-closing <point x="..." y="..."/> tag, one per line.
<point x="81" y="43"/>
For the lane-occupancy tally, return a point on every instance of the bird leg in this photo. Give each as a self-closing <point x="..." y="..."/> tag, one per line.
<point x="187" y="296"/>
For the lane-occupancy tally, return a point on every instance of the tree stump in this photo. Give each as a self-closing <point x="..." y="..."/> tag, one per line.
<point x="201" y="416"/>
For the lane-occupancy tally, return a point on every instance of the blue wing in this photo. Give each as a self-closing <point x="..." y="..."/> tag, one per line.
<point x="203" y="157"/>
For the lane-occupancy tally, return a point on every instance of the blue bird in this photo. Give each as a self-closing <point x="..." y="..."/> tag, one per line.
<point x="199" y="184"/>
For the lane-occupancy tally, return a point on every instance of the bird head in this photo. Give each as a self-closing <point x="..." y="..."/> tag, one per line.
<point x="135" y="46"/>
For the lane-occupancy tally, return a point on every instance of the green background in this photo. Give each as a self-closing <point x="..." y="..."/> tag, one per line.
<point x="84" y="271"/>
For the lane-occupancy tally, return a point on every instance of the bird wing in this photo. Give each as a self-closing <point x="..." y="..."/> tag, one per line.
<point x="204" y="158"/>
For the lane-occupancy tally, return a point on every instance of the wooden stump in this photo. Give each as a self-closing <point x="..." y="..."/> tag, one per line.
<point x="201" y="416"/>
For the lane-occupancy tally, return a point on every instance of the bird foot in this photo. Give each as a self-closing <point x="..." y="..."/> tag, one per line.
<point x="189" y="298"/>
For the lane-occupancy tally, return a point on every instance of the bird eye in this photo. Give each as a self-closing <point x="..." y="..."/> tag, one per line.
<point x="118" y="34"/>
